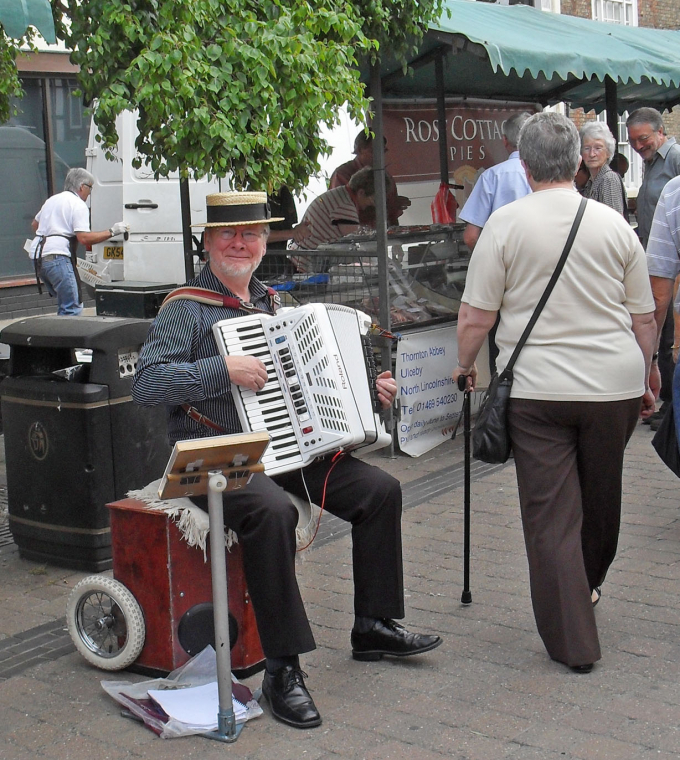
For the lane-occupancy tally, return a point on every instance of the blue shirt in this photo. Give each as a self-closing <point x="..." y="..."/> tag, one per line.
<point x="663" y="247"/>
<point x="497" y="186"/>
<point x="180" y="363"/>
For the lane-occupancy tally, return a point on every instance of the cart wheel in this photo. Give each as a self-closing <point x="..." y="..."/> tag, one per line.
<point x="105" y="622"/>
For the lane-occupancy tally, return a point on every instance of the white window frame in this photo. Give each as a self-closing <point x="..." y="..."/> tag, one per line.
<point x="603" y="11"/>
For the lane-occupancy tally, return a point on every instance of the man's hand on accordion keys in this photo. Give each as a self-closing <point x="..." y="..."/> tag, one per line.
<point x="246" y="371"/>
<point x="387" y="389"/>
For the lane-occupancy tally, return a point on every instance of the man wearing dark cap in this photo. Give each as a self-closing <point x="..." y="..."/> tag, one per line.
<point x="180" y="364"/>
<point x="363" y="150"/>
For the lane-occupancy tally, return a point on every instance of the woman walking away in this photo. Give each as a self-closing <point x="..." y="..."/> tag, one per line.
<point x="579" y="382"/>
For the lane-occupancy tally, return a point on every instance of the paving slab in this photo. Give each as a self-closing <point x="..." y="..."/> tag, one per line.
<point x="489" y="692"/>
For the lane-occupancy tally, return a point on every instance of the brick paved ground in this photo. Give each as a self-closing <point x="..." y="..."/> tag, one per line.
<point x="489" y="692"/>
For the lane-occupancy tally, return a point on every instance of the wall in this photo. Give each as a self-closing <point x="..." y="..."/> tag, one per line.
<point x="25" y="301"/>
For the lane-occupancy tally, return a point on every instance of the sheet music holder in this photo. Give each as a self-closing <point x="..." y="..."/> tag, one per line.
<point x="237" y="457"/>
<point x="211" y="466"/>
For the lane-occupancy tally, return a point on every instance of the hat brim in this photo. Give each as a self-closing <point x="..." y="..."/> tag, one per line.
<point x="240" y="224"/>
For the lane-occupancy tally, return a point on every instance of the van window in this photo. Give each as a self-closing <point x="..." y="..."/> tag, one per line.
<point x="24" y="181"/>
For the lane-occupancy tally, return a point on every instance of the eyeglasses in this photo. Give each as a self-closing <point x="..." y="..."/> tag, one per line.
<point x="248" y="236"/>
<point x="86" y="185"/>
<point x="641" y="140"/>
<point x="593" y="149"/>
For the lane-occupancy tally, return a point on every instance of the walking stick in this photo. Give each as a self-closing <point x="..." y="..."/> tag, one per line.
<point x="466" y="596"/>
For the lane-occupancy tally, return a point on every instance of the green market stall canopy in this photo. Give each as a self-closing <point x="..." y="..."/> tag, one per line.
<point x="16" y="15"/>
<point x="520" y="53"/>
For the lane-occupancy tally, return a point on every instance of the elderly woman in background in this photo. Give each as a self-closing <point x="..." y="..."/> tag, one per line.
<point x="605" y="185"/>
<point x="579" y="381"/>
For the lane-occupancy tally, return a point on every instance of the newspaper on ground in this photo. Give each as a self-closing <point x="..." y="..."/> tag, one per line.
<point x="185" y="702"/>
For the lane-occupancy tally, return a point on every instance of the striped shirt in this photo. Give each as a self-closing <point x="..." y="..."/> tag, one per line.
<point x="180" y="362"/>
<point x="333" y="205"/>
<point x="663" y="247"/>
<point x="607" y="188"/>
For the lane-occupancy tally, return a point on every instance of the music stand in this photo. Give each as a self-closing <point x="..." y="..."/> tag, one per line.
<point x="210" y="466"/>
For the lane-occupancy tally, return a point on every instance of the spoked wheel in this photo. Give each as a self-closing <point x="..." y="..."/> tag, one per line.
<point x="105" y="622"/>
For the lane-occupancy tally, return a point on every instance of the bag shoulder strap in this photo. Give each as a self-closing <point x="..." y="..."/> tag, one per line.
<point x="213" y="298"/>
<point x="549" y="287"/>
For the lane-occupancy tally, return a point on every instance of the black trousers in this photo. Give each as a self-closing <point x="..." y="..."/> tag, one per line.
<point x="666" y="365"/>
<point x="264" y="519"/>
<point x="569" y="462"/>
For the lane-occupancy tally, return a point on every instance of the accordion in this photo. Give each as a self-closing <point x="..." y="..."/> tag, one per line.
<point x="320" y="393"/>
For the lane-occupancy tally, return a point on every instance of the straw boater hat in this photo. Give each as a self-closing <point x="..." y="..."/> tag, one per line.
<point x="236" y="209"/>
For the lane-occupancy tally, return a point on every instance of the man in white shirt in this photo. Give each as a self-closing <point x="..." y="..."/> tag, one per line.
<point x="62" y="223"/>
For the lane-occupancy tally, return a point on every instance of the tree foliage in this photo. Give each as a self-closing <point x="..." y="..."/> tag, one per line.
<point x="231" y="86"/>
<point x="10" y="85"/>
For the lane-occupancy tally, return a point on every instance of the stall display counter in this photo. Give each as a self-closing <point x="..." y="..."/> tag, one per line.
<point x="426" y="269"/>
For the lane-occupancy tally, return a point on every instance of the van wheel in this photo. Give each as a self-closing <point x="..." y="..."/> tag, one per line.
<point x="105" y="622"/>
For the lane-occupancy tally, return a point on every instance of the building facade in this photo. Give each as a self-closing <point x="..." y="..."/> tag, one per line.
<point x="658" y="14"/>
<point x="38" y="145"/>
<point x="48" y="135"/>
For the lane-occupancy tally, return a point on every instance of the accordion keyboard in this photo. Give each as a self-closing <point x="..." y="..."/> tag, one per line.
<point x="319" y="392"/>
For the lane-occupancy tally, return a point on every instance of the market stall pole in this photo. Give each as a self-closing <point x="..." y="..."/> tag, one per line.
<point x="383" y="344"/>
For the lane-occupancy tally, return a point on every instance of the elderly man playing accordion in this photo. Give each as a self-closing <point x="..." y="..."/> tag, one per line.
<point x="180" y="364"/>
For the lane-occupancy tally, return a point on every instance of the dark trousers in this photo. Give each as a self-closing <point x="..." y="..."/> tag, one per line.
<point x="666" y="366"/>
<point x="264" y="519"/>
<point x="569" y="461"/>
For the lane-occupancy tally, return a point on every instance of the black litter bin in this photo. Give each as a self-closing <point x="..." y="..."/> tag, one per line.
<point x="74" y="439"/>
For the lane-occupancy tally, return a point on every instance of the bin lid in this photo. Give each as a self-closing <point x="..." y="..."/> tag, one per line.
<point x="96" y="332"/>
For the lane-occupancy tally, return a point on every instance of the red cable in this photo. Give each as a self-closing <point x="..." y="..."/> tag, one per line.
<point x="336" y="458"/>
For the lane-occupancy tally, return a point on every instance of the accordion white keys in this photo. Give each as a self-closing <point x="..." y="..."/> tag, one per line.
<point x="320" y="393"/>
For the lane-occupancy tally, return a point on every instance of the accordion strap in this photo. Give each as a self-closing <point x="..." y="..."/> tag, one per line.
<point x="195" y="415"/>
<point x="213" y="298"/>
<point x="548" y="290"/>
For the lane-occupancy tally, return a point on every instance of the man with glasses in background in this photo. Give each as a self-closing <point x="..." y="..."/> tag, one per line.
<point x="661" y="156"/>
<point x="62" y="223"/>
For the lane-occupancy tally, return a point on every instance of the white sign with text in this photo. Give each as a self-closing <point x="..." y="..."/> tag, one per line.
<point x="430" y="400"/>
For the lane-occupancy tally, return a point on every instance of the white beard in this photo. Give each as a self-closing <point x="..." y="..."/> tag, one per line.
<point x="237" y="270"/>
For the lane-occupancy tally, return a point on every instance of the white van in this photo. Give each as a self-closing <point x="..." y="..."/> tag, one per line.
<point x="154" y="250"/>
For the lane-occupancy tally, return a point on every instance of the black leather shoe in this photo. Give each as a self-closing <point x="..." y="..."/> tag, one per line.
<point x="582" y="668"/>
<point x="388" y="637"/>
<point x="289" y="699"/>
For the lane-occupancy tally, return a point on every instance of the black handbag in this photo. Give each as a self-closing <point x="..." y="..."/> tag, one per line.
<point x="665" y="442"/>
<point x="491" y="439"/>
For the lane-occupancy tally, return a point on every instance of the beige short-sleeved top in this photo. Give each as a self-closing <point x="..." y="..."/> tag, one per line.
<point x="582" y="348"/>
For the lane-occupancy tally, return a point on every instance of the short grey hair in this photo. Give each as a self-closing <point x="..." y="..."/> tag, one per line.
<point x="513" y="125"/>
<point x="550" y="148"/>
<point x="598" y="130"/>
<point x="646" y="116"/>
<point x="76" y="178"/>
